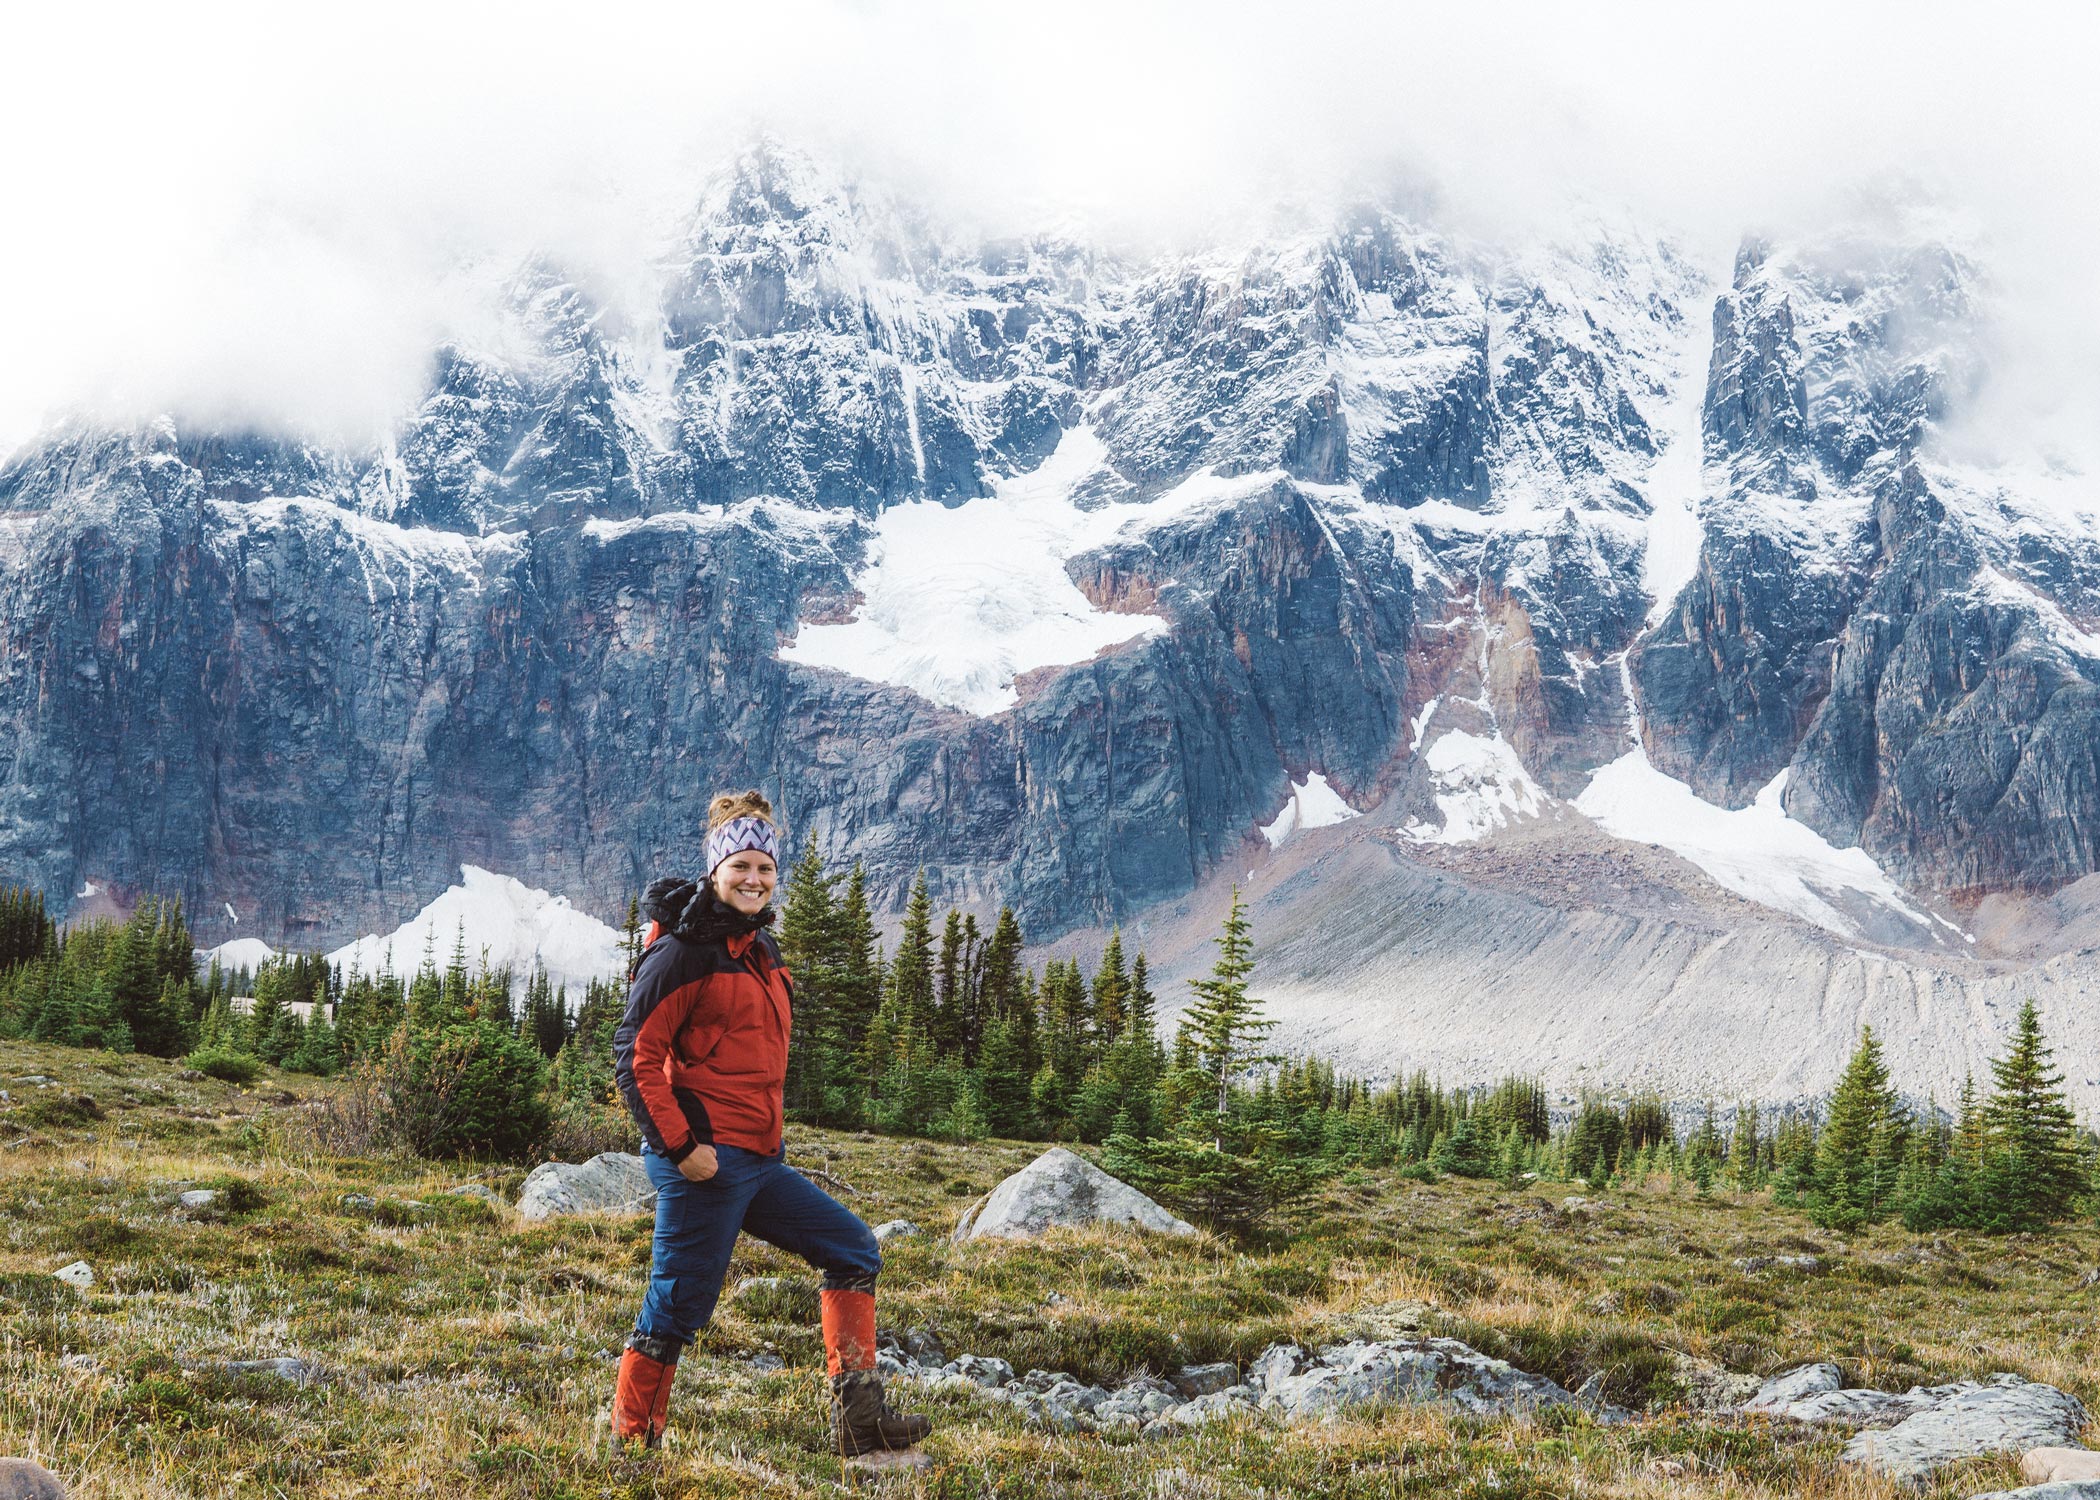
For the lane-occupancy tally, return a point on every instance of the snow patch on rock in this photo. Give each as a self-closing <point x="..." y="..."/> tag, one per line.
<point x="1480" y="786"/>
<point x="1756" y="851"/>
<point x="958" y="602"/>
<point x="241" y="953"/>
<point x="517" y="925"/>
<point x="1312" y="804"/>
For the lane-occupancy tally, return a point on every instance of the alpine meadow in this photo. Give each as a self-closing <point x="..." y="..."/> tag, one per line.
<point x="1199" y="753"/>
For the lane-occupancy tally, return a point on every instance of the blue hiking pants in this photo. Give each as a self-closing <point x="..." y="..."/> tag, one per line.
<point x="697" y="1224"/>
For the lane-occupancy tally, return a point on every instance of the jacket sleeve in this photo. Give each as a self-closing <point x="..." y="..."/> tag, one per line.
<point x="657" y="1008"/>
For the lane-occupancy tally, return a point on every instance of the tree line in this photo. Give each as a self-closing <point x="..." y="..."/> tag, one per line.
<point x="950" y="1033"/>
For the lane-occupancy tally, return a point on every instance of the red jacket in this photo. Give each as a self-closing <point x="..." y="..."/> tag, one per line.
<point x="701" y="1053"/>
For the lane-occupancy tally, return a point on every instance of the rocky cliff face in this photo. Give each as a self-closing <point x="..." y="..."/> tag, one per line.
<point x="1326" y="500"/>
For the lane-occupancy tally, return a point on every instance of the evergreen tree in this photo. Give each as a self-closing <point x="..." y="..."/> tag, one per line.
<point x="1111" y="992"/>
<point x="2033" y="1172"/>
<point x="631" y="936"/>
<point x="1224" y="1023"/>
<point x="1860" y="1152"/>
<point x="1746" y="1150"/>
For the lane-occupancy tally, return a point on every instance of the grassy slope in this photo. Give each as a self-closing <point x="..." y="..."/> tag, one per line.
<point x="468" y="1354"/>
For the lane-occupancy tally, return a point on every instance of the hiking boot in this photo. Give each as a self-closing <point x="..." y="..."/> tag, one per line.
<point x="642" y="1400"/>
<point x="861" y="1420"/>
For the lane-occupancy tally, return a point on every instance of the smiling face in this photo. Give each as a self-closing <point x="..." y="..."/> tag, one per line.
<point x="744" y="881"/>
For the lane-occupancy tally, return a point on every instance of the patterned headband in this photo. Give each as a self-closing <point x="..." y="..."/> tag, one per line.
<point x="739" y="834"/>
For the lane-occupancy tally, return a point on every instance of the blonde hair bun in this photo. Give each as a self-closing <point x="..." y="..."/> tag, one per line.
<point x="728" y="806"/>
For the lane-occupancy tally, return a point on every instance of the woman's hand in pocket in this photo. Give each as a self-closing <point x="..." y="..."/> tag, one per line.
<point x="699" y="1164"/>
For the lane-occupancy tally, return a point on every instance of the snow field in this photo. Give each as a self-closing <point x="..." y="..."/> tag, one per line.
<point x="958" y="602"/>
<point x="1312" y="804"/>
<point x="517" y="925"/>
<point x="1757" y="851"/>
<point x="1480" y="786"/>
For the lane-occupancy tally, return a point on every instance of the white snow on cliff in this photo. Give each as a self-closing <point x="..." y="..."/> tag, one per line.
<point x="957" y="602"/>
<point x="1756" y="851"/>
<point x="1312" y="804"/>
<point x="1480" y="786"/>
<point x="241" y="953"/>
<point x="511" y="922"/>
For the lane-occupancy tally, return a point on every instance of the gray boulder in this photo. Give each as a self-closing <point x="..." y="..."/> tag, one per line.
<point x="896" y="1229"/>
<point x="1274" y="1365"/>
<point x="26" y="1479"/>
<point x="1790" y="1386"/>
<point x="197" y="1200"/>
<point x="2009" y="1414"/>
<point x="2061" y="1489"/>
<point x="79" y="1275"/>
<point x="300" y="1372"/>
<point x="1136" y="1403"/>
<point x="1061" y="1190"/>
<point x="1204" y="1380"/>
<point x="612" y="1183"/>
<point x="980" y="1370"/>
<point x="1233" y="1401"/>
<point x="2060" y="1466"/>
<point x="1356" y="1373"/>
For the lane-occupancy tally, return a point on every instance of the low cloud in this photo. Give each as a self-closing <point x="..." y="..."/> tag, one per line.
<point x="268" y="215"/>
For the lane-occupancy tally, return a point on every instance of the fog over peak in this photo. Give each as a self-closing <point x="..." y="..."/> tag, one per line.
<point x="269" y="216"/>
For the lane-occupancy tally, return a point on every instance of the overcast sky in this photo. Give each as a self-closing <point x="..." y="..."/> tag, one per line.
<point x="272" y="212"/>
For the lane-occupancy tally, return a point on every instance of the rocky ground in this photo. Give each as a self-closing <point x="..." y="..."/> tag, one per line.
<point x="319" y="1326"/>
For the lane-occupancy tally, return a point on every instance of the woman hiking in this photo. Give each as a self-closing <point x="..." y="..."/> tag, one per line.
<point x="701" y="1057"/>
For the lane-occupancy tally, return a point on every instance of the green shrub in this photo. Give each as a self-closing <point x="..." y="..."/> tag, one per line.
<point x="225" y="1065"/>
<point x="237" y="1195"/>
<point x="471" y="1088"/>
<point x="52" y="1110"/>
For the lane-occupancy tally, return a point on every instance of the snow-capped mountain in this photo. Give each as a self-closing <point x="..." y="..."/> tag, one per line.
<point x="1081" y="581"/>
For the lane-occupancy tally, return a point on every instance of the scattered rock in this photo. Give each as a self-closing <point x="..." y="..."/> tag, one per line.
<point x="1274" y="1365"/>
<point x="189" y="1075"/>
<point x="37" y="1080"/>
<point x="2060" y="1489"/>
<point x="79" y="1275"/>
<point x="479" y="1190"/>
<point x="361" y="1202"/>
<point x="197" y="1200"/>
<point x="1573" y="1204"/>
<point x="25" y="1479"/>
<point x="1205" y="1380"/>
<point x="980" y="1370"/>
<point x="766" y="1364"/>
<point x="1807" y="1265"/>
<point x="1712" y="1387"/>
<point x="2060" y="1466"/>
<point x="300" y="1372"/>
<point x="614" y="1182"/>
<point x="2089" y="1279"/>
<point x="1060" y="1189"/>
<point x="2008" y="1413"/>
<point x="1233" y="1401"/>
<point x="1137" y="1404"/>
<point x="1284" y="1383"/>
<point x="1351" y="1374"/>
<point x="896" y="1229"/>
<point x="1389" y="1320"/>
<point x="924" y="1346"/>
